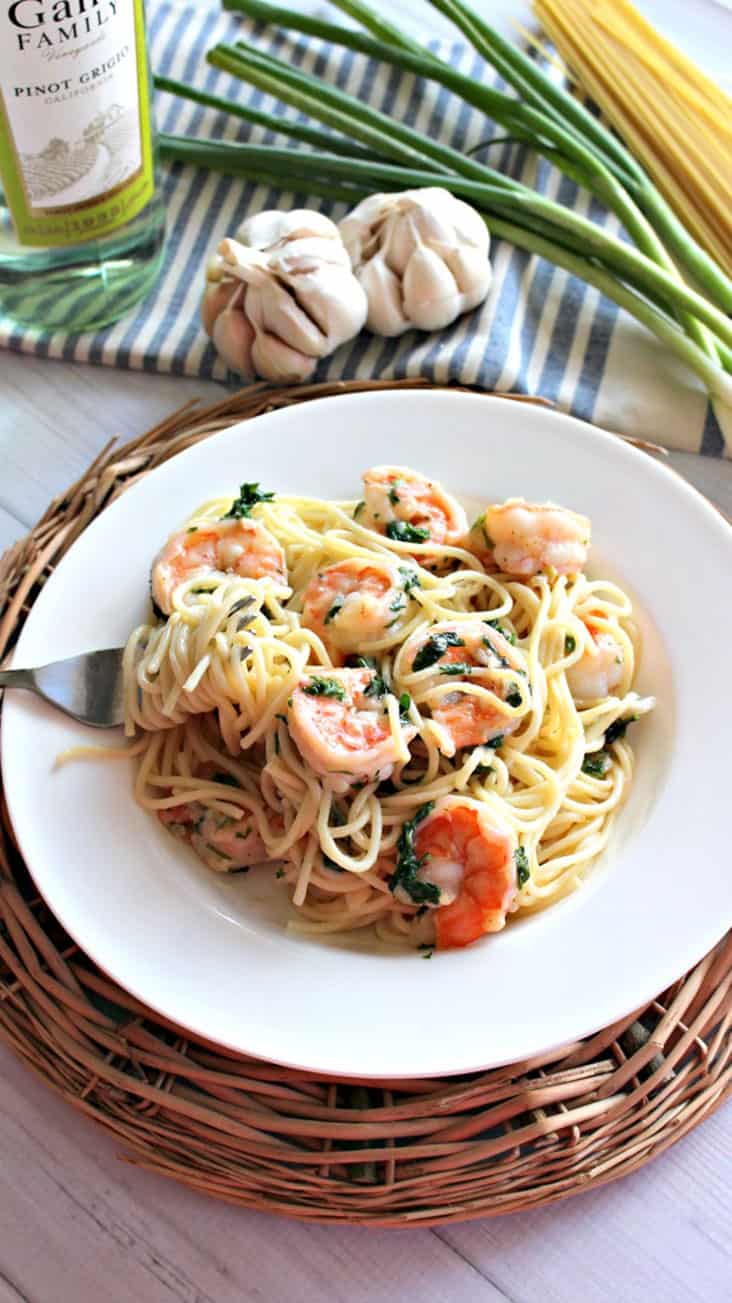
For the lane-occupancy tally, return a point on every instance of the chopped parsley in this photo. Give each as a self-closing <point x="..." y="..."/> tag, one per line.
<point x="335" y="608"/>
<point x="318" y="687"/>
<point x="402" y="532"/>
<point x="521" y="860"/>
<point x="480" y="524"/>
<point x="398" y="605"/>
<point x="393" y="495"/>
<point x="378" y="685"/>
<point x="503" y="663"/>
<point x="408" y="862"/>
<point x="405" y="702"/>
<point x="570" y="643"/>
<point x="482" y="771"/>
<point x="280" y="873"/>
<point x="513" y="696"/>
<point x="358" y="509"/>
<point x="410" y="578"/>
<point x="249" y="496"/>
<point x="495" y="742"/>
<point x="457" y="667"/>
<point x="596" y="764"/>
<point x="618" y="729"/>
<point x="435" y="647"/>
<point x="508" y="634"/>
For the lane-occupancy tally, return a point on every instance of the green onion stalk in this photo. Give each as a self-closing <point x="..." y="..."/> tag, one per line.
<point x="313" y="174"/>
<point x="411" y="149"/>
<point x="371" y="147"/>
<point x="597" y="162"/>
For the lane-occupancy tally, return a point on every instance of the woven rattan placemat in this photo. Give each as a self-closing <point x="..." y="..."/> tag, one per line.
<point x="396" y="1153"/>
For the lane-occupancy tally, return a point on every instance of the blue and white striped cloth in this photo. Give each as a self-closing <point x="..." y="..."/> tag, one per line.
<point x="541" y="331"/>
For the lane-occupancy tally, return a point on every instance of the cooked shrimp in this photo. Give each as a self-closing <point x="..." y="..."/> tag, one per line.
<point x="243" y="547"/>
<point x="521" y="538"/>
<point x="599" y="669"/>
<point x="397" y="498"/>
<point x="471" y="859"/>
<point x="468" y="652"/>
<point x="355" y="602"/>
<point x="342" y="730"/>
<point x="222" y="842"/>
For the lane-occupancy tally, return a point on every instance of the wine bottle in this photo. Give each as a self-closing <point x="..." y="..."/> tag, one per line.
<point x="81" y="215"/>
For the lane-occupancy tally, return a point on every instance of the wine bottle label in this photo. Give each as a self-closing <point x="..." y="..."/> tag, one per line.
<point x="75" y="141"/>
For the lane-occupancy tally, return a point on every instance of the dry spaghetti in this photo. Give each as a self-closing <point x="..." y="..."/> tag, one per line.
<point x="675" y="120"/>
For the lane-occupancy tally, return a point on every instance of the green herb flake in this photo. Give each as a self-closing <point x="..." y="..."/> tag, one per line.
<point x="378" y="686"/>
<point x="393" y="495"/>
<point x="358" y="509"/>
<point x="596" y="764"/>
<point x="318" y="687"/>
<point x="402" y="532"/>
<point x="405" y="702"/>
<point x="335" y="608"/>
<point x="495" y="742"/>
<point x="434" y="648"/>
<point x="410" y="579"/>
<point x="192" y="529"/>
<point x="457" y="667"/>
<point x="508" y="634"/>
<point x="405" y="873"/>
<point x="280" y="873"/>
<point x="521" y="860"/>
<point x="618" y="729"/>
<point x="513" y="696"/>
<point x="570" y="644"/>
<point x="249" y="496"/>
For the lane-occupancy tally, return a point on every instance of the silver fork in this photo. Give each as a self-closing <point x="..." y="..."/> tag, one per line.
<point x="87" y="687"/>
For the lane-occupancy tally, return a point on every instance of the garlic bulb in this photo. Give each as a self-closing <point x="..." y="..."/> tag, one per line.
<point x="421" y="256"/>
<point x="281" y="295"/>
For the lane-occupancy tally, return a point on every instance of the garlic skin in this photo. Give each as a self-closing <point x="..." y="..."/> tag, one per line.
<point x="281" y="295"/>
<point x="421" y="256"/>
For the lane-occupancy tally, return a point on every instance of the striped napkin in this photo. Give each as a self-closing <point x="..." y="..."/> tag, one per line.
<point x="541" y="331"/>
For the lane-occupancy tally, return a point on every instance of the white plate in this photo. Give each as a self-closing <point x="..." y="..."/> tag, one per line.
<point x="212" y="954"/>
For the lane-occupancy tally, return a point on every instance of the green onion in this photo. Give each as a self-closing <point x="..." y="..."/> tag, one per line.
<point x="373" y="148"/>
<point x="324" y="140"/>
<point x="294" y="169"/>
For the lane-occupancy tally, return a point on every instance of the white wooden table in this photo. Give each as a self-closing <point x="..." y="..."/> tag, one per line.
<point x="79" y="1226"/>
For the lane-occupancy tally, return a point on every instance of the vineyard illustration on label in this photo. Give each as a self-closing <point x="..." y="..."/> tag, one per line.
<point x="68" y="172"/>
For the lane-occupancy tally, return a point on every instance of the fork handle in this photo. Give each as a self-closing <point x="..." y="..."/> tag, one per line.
<point x="18" y="679"/>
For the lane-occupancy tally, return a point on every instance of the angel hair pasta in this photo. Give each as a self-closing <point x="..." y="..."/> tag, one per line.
<point x="420" y="722"/>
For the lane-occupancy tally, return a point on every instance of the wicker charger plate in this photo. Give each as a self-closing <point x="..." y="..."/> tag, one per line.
<point x="403" y="1152"/>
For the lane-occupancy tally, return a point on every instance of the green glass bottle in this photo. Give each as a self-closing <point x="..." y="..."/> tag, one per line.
<point x="82" y="222"/>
